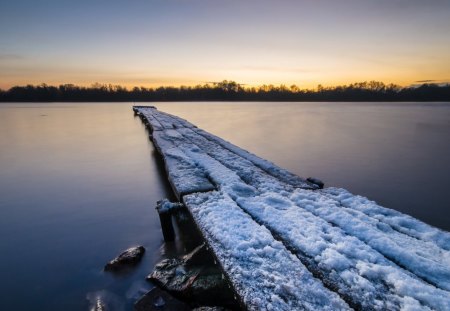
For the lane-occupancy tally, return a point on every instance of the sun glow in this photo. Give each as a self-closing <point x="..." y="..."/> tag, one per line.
<point x="155" y="43"/>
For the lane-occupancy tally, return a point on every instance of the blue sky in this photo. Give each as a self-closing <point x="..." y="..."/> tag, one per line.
<point x="173" y="42"/>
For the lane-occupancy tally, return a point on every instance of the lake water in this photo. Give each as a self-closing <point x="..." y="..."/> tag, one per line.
<point x="79" y="181"/>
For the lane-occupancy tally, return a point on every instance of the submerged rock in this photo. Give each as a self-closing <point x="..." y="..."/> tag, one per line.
<point x="194" y="278"/>
<point x="130" y="257"/>
<point x="157" y="299"/>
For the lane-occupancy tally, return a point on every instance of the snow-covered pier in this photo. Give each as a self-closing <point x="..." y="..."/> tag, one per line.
<point x="285" y="244"/>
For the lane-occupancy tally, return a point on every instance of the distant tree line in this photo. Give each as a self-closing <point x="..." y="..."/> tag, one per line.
<point x="226" y="91"/>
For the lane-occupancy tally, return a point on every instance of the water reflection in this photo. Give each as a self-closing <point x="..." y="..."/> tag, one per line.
<point x="77" y="187"/>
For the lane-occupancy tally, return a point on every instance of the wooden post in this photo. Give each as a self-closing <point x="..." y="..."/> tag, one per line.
<point x="165" y="217"/>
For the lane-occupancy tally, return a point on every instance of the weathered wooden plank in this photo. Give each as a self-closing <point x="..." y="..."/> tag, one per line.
<point x="262" y="271"/>
<point x="182" y="172"/>
<point x="371" y="257"/>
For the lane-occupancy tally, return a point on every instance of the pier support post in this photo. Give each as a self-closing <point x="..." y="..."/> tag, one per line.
<point x="165" y="208"/>
<point x="165" y="218"/>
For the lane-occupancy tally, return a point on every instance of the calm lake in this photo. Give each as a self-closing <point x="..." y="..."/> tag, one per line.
<point x="79" y="181"/>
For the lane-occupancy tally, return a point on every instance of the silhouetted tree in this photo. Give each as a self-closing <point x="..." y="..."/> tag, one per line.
<point x="227" y="91"/>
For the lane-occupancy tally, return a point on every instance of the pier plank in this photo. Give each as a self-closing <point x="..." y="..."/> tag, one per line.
<point x="333" y="249"/>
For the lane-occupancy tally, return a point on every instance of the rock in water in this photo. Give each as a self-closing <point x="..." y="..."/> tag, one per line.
<point x="130" y="257"/>
<point x="193" y="278"/>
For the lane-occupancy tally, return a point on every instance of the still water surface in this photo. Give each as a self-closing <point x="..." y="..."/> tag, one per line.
<point x="79" y="182"/>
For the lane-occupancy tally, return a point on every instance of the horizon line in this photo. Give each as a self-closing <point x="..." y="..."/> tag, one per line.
<point x="242" y="85"/>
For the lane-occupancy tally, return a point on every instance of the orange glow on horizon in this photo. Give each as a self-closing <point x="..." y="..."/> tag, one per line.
<point x="172" y="43"/>
<point x="192" y="83"/>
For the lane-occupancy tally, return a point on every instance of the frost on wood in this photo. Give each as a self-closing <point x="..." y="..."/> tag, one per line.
<point x="286" y="245"/>
<point x="263" y="271"/>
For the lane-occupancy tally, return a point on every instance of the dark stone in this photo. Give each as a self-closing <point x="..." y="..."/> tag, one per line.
<point x="194" y="278"/>
<point x="316" y="181"/>
<point x="158" y="300"/>
<point x="130" y="257"/>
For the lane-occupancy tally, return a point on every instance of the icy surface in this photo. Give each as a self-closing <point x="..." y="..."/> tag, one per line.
<point x="165" y="206"/>
<point x="286" y="245"/>
<point x="261" y="269"/>
<point x="183" y="174"/>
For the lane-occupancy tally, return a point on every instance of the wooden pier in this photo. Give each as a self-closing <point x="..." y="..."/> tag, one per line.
<point x="286" y="244"/>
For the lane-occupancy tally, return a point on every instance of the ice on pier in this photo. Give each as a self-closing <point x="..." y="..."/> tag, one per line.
<point x="182" y="172"/>
<point x="284" y="244"/>
<point x="267" y="275"/>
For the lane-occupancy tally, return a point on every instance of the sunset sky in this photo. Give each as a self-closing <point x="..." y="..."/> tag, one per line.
<point x="174" y="42"/>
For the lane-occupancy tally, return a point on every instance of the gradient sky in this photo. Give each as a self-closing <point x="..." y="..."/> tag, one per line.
<point x="174" y="42"/>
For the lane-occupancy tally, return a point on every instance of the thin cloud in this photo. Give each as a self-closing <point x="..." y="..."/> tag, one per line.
<point x="436" y="82"/>
<point x="440" y="82"/>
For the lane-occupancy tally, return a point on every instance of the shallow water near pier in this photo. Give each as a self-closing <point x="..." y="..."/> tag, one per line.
<point x="79" y="181"/>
